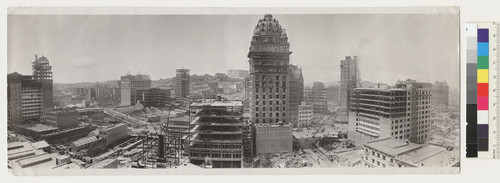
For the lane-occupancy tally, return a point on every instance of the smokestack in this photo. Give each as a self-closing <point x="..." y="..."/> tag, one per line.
<point x="161" y="148"/>
<point x="36" y="57"/>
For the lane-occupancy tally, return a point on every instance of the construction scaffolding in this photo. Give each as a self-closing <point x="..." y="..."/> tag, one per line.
<point x="162" y="149"/>
<point x="216" y="135"/>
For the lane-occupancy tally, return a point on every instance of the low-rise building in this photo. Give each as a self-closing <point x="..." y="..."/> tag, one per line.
<point x="61" y="119"/>
<point x="91" y="145"/>
<point x="111" y="163"/>
<point x="392" y="153"/>
<point x="67" y="135"/>
<point x="114" y="134"/>
<point x="33" y="130"/>
<point x="17" y="150"/>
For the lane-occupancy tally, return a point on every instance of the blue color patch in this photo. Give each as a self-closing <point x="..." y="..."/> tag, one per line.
<point x="482" y="49"/>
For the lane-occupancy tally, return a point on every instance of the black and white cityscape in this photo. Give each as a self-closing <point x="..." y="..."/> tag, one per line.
<point x="233" y="91"/>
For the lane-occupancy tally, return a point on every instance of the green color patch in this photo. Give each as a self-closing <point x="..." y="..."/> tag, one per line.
<point x="482" y="62"/>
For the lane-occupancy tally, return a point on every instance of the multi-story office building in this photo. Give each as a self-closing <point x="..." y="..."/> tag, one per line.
<point x="129" y="84"/>
<point x="333" y="93"/>
<point x="24" y="98"/>
<point x="349" y="79"/>
<point x="317" y="97"/>
<point x="440" y="94"/>
<point x="182" y="83"/>
<point x="269" y="59"/>
<point x="402" y="112"/>
<point x="248" y="88"/>
<point x="305" y="114"/>
<point x="397" y="153"/>
<point x="240" y="74"/>
<point x="216" y="136"/>
<point x="153" y="97"/>
<point x="42" y="72"/>
<point x="296" y="92"/>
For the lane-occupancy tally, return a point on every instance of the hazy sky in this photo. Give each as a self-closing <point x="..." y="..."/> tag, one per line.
<point x="104" y="47"/>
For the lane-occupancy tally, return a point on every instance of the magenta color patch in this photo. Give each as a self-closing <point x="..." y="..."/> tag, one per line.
<point x="482" y="103"/>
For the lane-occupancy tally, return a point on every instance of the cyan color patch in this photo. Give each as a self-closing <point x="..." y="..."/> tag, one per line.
<point x="482" y="49"/>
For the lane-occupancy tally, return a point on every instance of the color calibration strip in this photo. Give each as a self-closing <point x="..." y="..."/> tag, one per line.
<point x="482" y="93"/>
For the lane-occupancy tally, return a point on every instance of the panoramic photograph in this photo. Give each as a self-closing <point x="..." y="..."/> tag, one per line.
<point x="239" y="91"/>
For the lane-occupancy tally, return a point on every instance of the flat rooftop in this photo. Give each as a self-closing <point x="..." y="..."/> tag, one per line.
<point x="432" y="156"/>
<point x="45" y="160"/>
<point x="17" y="150"/>
<point x="271" y="125"/>
<point x="393" y="146"/>
<point x="215" y="103"/>
<point x="37" y="127"/>
<point x="85" y="140"/>
<point x="103" y="163"/>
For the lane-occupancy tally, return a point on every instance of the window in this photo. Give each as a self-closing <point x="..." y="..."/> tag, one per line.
<point x="256" y="114"/>
<point x="277" y="114"/>
<point x="263" y="108"/>
<point x="256" y="108"/>
<point x="256" y="96"/>
<point x="256" y="102"/>
<point x="277" y="102"/>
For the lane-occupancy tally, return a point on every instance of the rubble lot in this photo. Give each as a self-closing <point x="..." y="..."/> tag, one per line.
<point x="309" y="158"/>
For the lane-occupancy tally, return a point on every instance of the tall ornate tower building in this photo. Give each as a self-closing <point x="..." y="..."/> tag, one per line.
<point x="269" y="59"/>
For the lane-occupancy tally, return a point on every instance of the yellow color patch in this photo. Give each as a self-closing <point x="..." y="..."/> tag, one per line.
<point x="482" y="76"/>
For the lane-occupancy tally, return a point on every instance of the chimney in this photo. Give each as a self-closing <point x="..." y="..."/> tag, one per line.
<point x="36" y="57"/>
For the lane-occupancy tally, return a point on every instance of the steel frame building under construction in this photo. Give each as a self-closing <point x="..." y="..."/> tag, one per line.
<point x="216" y="135"/>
